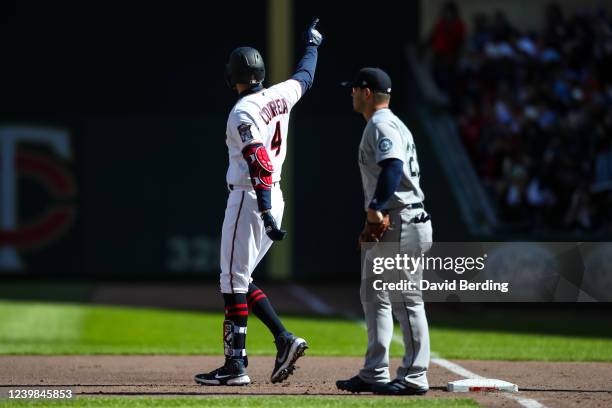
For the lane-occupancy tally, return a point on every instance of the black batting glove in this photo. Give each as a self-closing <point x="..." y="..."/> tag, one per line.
<point x="272" y="230"/>
<point x="313" y="37"/>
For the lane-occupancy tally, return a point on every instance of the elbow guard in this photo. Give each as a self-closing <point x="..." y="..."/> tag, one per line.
<point x="260" y="166"/>
<point x="260" y="170"/>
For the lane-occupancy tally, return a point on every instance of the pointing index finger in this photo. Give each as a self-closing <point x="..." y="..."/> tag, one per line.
<point x="314" y="23"/>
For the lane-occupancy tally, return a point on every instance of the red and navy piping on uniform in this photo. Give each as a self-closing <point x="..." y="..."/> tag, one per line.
<point x="240" y="309"/>
<point x="255" y="296"/>
<point x="260" y="305"/>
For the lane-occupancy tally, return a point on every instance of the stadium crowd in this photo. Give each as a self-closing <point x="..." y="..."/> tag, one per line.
<point x="534" y="110"/>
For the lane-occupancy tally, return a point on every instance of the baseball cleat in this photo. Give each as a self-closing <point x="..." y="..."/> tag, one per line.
<point x="354" y="384"/>
<point x="289" y="349"/>
<point x="233" y="372"/>
<point x="398" y="387"/>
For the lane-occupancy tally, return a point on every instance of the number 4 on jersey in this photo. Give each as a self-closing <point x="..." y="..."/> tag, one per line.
<point x="277" y="139"/>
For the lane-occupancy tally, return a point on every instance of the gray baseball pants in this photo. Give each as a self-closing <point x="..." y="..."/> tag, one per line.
<point x="379" y="311"/>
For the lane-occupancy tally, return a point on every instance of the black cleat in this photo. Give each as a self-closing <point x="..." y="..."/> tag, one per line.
<point x="289" y="349"/>
<point x="354" y="384"/>
<point x="232" y="373"/>
<point x="398" y="387"/>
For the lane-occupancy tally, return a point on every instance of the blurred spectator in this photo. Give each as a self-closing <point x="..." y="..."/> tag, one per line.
<point x="534" y="110"/>
<point x="603" y="166"/>
<point x="446" y="42"/>
<point x="482" y="32"/>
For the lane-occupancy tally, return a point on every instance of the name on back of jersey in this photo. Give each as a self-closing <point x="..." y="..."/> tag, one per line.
<point x="273" y="108"/>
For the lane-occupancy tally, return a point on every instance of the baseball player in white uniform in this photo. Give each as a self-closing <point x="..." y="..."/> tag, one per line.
<point x="257" y="144"/>
<point x="393" y="198"/>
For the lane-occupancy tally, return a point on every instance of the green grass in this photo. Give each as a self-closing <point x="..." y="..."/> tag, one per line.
<point x="246" y="402"/>
<point x="44" y="328"/>
<point x="515" y="335"/>
<point x="52" y="329"/>
<point x="479" y="345"/>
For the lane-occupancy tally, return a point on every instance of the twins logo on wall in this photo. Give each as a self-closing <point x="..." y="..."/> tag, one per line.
<point x="17" y="235"/>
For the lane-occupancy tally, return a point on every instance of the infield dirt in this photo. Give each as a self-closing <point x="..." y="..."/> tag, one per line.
<point x="552" y="384"/>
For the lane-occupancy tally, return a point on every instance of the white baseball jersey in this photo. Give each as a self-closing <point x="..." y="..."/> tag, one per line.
<point x="260" y="117"/>
<point x="384" y="137"/>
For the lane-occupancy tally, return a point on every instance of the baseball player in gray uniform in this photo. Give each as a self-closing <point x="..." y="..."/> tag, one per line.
<point x="395" y="214"/>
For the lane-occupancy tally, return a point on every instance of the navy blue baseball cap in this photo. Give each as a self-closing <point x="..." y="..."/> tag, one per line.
<point x="374" y="78"/>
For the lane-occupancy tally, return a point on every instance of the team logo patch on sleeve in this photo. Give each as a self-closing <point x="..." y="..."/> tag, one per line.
<point x="384" y="145"/>
<point x="245" y="132"/>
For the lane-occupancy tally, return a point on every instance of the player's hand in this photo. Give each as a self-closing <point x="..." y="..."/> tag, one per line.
<point x="374" y="216"/>
<point x="272" y="230"/>
<point x="313" y="37"/>
<point x="374" y="231"/>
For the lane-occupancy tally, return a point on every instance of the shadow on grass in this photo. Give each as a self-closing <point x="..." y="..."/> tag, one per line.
<point x="575" y="319"/>
<point x="563" y="319"/>
<point x="47" y="291"/>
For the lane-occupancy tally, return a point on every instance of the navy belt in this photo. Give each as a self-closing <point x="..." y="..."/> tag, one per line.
<point x="415" y="205"/>
<point x="407" y="206"/>
<point x="231" y="186"/>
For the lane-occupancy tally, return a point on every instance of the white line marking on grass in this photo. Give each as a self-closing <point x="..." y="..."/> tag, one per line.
<point x="320" y="306"/>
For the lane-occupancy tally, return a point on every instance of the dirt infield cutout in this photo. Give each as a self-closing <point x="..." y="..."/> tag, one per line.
<point x="552" y="384"/>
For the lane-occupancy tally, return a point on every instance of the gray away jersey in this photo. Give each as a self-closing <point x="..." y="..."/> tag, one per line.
<point x="386" y="137"/>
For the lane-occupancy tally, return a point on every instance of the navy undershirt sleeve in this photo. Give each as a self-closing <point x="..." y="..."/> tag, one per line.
<point x="388" y="182"/>
<point x="305" y="71"/>
<point x="264" y="199"/>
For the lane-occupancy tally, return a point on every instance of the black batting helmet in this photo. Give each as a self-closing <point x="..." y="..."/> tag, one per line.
<point x="245" y="66"/>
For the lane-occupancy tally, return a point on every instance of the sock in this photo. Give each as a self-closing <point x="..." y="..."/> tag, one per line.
<point x="235" y="325"/>
<point x="261" y="306"/>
